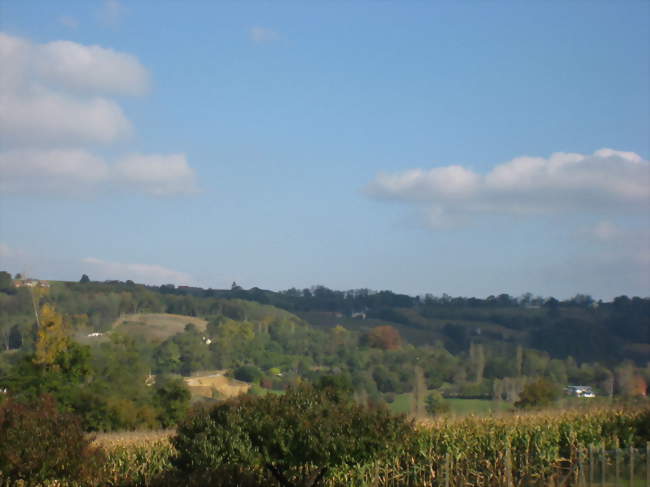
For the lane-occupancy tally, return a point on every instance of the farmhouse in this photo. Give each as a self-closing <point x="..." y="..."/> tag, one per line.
<point x="580" y="391"/>
<point x="30" y="283"/>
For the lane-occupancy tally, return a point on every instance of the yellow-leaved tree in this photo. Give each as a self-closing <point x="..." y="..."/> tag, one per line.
<point x="52" y="337"/>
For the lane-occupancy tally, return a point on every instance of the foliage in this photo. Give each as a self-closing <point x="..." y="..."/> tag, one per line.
<point x="307" y="429"/>
<point x="248" y="373"/>
<point x="385" y="337"/>
<point x="486" y="451"/>
<point x="52" y="336"/>
<point x="172" y="397"/>
<point x="538" y="393"/>
<point x="435" y="404"/>
<point x="40" y="443"/>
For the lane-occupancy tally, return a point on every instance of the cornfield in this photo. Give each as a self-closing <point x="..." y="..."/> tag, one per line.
<point x="535" y="449"/>
<point x="570" y="448"/>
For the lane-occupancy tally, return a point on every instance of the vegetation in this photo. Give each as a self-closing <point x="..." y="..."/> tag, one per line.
<point x="303" y="434"/>
<point x="121" y="354"/>
<point x="539" y="393"/>
<point x="528" y="449"/>
<point x="40" y="443"/>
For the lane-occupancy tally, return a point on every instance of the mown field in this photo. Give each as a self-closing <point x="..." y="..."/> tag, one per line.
<point x="531" y="449"/>
<point x="403" y="405"/>
<point x="156" y="326"/>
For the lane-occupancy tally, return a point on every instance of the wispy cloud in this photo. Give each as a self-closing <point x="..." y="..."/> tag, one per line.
<point x="5" y="251"/>
<point x="68" y="21"/>
<point x="158" y="175"/>
<point x="111" y="12"/>
<point x="263" y="35"/>
<point x="142" y="273"/>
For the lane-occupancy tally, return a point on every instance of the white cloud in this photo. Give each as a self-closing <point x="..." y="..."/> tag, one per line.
<point x="77" y="171"/>
<point x="143" y="273"/>
<point x="155" y="174"/>
<point x="51" y="103"/>
<point x="90" y="68"/>
<point x="49" y="118"/>
<point x="51" y="93"/>
<point x="50" y="171"/>
<point x="68" y="21"/>
<point x="564" y="182"/>
<point x="262" y="34"/>
<point x="72" y="66"/>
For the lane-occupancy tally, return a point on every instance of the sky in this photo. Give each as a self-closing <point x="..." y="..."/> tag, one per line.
<point x="467" y="148"/>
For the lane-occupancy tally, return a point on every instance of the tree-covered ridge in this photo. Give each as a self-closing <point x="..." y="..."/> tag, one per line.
<point x="472" y="348"/>
<point x="579" y="327"/>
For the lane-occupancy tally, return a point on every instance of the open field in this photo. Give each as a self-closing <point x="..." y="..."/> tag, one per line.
<point x="156" y="326"/>
<point x="204" y="385"/>
<point x="460" y="407"/>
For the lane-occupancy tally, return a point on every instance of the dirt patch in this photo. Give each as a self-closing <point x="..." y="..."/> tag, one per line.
<point x="205" y="384"/>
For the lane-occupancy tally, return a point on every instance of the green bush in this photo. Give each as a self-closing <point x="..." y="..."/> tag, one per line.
<point x="537" y="394"/>
<point x="40" y="444"/>
<point x="299" y="437"/>
<point x="248" y="373"/>
<point x="436" y="404"/>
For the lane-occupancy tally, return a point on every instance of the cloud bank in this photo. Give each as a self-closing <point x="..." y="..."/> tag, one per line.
<point x="564" y="182"/>
<point x="55" y="109"/>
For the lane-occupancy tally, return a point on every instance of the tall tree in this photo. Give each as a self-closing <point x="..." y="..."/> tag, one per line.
<point x="52" y="337"/>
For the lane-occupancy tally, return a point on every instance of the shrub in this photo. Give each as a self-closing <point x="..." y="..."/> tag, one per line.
<point x="40" y="443"/>
<point x="539" y="393"/>
<point x="436" y="404"/>
<point x="248" y="373"/>
<point x="298" y="437"/>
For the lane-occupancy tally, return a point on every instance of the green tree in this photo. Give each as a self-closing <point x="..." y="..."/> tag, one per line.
<point x="304" y="432"/>
<point x="6" y="283"/>
<point x="172" y="397"/>
<point x="538" y="393"/>
<point x="248" y="373"/>
<point x="435" y="404"/>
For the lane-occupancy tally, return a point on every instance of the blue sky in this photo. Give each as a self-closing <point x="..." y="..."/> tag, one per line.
<point x="424" y="147"/>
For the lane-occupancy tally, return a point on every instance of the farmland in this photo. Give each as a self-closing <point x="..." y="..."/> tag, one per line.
<point x="540" y="448"/>
<point x="156" y="326"/>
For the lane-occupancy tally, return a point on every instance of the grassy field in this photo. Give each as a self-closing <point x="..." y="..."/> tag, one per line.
<point x="156" y="326"/>
<point x="460" y="407"/>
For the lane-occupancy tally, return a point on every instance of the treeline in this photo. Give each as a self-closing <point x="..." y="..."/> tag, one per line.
<point x="580" y="327"/>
